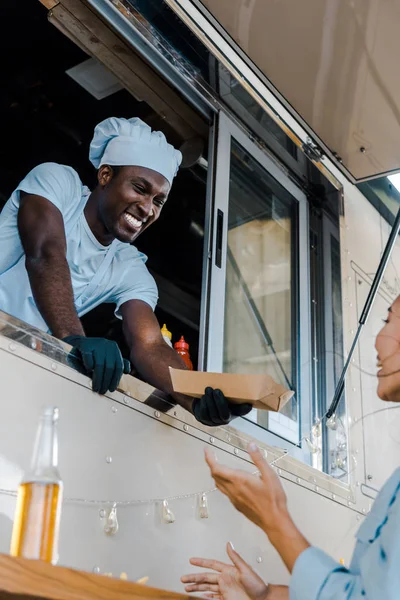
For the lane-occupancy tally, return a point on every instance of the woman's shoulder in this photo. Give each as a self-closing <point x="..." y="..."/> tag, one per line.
<point x="387" y="501"/>
<point x="390" y="490"/>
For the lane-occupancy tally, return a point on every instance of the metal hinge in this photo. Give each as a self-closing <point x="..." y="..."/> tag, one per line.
<point x="312" y="151"/>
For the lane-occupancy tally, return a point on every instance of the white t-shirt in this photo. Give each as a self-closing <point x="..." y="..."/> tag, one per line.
<point x="125" y="278"/>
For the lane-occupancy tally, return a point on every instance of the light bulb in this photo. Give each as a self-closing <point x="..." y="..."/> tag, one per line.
<point x="316" y="430"/>
<point x="341" y="462"/>
<point x="313" y="448"/>
<point x="332" y="423"/>
<point x="167" y="514"/>
<point x="203" y="507"/>
<point x="111" y="526"/>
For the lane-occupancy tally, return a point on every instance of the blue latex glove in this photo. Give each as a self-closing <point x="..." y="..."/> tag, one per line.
<point x="101" y="360"/>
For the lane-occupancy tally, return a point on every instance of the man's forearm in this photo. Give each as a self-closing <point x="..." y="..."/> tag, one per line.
<point x="153" y="364"/>
<point x="51" y="285"/>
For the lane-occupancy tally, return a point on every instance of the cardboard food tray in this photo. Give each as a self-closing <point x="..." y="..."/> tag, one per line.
<point x="261" y="391"/>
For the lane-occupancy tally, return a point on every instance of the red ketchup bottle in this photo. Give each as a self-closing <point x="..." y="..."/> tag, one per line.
<point x="182" y="349"/>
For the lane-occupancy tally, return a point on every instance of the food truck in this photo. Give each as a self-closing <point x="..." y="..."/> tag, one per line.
<point x="287" y="116"/>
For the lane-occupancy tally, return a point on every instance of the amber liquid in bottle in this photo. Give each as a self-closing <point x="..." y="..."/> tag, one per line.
<point x="38" y="510"/>
<point x="36" y="521"/>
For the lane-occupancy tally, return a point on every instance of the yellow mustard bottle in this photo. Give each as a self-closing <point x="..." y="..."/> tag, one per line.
<point x="167" y="335"/>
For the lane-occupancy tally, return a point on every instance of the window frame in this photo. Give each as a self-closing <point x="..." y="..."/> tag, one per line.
<point x="282" y="434"/>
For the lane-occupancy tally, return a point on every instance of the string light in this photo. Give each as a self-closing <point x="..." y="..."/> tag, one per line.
<point x="332" y="423"/>
<point x="341" y="462"/>
<point x="111" y="526"/>
<point x="316" y="429"/>
<point x="167" y="514"/>
<point x="313" y="448"/>
<point x="203" y="507"/>
<point x="120" y="503"/>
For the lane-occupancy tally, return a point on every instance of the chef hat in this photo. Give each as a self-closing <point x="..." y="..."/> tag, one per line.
<point x="131" y="142"/>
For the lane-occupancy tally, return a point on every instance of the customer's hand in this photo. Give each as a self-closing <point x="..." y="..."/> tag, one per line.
<point x="100" y="359"/>
<point x="235" y="581"/>
<point x="263" y="501"/>
<point x="260" y="498"/>
<point x="277" y="592"/>
<point x="214" y="409"/>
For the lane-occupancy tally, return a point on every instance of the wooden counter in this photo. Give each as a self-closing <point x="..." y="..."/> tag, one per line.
<point x="28" y="579"/>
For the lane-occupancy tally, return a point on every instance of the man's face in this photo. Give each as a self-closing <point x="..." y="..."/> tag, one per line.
<point x="130" y="200"/>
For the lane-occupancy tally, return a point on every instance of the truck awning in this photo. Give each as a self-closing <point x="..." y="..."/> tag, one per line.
<point x="335" y="62"/>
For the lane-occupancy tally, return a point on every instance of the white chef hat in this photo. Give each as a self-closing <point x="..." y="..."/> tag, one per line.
<point x="131" y="142"/>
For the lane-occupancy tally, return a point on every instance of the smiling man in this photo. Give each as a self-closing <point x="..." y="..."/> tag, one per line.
<point x="64" y="250"/>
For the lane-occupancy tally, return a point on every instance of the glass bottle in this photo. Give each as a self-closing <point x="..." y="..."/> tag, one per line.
<point x="38" y="510"/>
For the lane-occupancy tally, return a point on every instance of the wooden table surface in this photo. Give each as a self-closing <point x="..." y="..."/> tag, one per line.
<point x="29" y="579"/>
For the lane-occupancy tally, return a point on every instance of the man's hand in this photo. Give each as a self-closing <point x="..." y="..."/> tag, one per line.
<point x="152" y="357"/>
<point x="213" y="409"/>
<point x="235" y="581"/>
<point x="263" y="501"/>
<point x="101" y="360"/>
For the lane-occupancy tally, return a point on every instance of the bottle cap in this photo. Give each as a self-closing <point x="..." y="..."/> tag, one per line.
<point x="181" y="345"/>
<point x="50" y="412"/>
<point x="165" y="332"/>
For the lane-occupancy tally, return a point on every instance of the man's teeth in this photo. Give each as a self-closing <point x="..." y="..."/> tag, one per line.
<point x="132" y="221"/>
